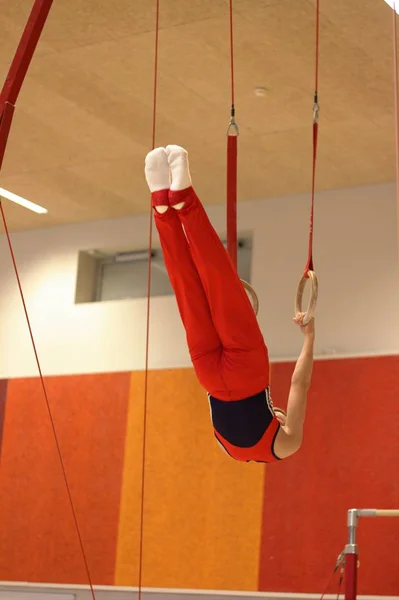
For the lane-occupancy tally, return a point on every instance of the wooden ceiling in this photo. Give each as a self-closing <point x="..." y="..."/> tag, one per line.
<point x="83" y="121"/>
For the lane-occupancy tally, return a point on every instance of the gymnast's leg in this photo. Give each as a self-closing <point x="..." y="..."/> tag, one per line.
<point x="230" y="306"/>
<point x="203" y="341"/>
<point x="231" y="310"/>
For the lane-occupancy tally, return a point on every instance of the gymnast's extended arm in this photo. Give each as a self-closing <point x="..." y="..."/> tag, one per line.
<point x="290" y="437"/>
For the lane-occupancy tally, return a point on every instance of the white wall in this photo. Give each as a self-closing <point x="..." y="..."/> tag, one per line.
<point x="355" y="259"/>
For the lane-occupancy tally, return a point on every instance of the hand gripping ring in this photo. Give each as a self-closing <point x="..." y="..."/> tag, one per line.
<point x="252" y="295"/>
<point x="311" y="310"/>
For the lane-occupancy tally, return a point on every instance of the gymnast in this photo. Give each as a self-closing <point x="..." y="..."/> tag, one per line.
<point x="226" y="345"/>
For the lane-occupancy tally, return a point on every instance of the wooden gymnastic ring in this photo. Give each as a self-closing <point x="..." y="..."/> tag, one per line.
<point x="252" y="295"/>
<point x="311" y="310"/>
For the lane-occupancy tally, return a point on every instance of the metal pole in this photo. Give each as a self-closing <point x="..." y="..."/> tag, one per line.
<point x="351" y="549"/>
<point x="351" y="576"/>
<point x="351" y="556"/>
<point x="353" y="519"/>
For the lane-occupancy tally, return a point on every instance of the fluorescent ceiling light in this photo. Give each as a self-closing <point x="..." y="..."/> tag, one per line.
<point x="391" y="3"/>
<point x="22" y="202"/>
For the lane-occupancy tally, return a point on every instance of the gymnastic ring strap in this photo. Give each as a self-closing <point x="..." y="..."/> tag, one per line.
<point x="252" y="295"/>
<point x="311" y="309"/>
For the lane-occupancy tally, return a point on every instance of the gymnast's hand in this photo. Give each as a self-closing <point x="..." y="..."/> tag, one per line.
<point x="308" y="329"/>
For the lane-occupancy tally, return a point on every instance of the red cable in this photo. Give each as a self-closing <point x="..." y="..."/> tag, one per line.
<point x="316" y="86"/>
<point x="147" y="345"/>
<point x="232" y="54"/>
<point x="396" y="86"/>
<point x="328" y="585"/>
<point x="232" y="160"/>
<point x="337" y="568"/>
<point x="63" y="469"/>
<point x="154" y="110"/>
<point x="309" y="263"/>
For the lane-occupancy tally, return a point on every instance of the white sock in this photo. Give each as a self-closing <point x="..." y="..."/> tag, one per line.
<point x="179" y="167"/>
<point x="157" y="171"/>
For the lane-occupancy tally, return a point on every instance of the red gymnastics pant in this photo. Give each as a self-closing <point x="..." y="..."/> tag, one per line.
<point x="224" y="339"/>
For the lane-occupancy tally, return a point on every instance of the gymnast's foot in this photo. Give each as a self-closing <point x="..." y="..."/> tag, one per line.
<point x="157" y="174"/>
<point x="180" y="172"/>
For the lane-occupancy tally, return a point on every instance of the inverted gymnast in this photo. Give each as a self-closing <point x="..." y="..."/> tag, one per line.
<point x="225" y="342"/>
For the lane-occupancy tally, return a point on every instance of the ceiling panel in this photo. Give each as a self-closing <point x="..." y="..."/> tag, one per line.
<point x="84" y="117"/>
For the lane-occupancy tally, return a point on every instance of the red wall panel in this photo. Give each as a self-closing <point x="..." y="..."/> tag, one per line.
<point x="37" y="536"/>
<point x="350" y="459"/>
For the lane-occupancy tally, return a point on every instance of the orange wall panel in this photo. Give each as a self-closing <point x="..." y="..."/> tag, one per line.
<point x="3" y="397"/>
<point x="37" y="536"/>
<point x="201" y="509"/>
<point x="128" y="544"/>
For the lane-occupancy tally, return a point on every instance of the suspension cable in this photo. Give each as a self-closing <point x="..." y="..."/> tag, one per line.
<point x="147" y="343"/>
<point x="232" y="135"/>
<point x="396" y="95"/>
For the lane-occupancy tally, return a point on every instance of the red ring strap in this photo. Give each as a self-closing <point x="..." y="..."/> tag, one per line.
<point x="309" y="263"/>
<point x="396" y="89"/>
<point x="232" y="198"/>
<point x="232" y="150"/>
